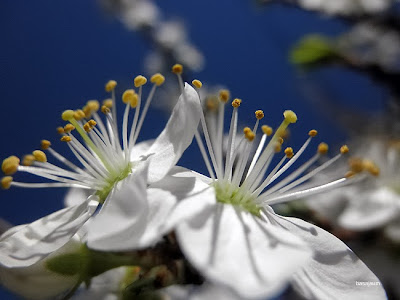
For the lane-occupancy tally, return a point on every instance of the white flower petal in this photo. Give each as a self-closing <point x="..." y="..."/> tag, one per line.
<point x="392" y="231"/>
<point x="331" y="205"/>
<point x="160" y="203"/>
<point x="75" y="196"/>
<point x="238" y="250"/>
<point x="36" y="281"/>
<point x="375" y="209"/>
<point x="31" y="243"/>
<point x="212" y="291"/>
<point x="11" y="231"/>
<point x="177" y="135"/>
<point x="123" y="216"/>
<point x="140" y="149"/>
<point x="199" y="176"/>
<point x="177" y="197"/>
<point x="185" y="196"/>
<point x="106" y="286"/>
<point x="205" y="291"/>
<point x="334" y="270"/>
<point x="177" y="292"/>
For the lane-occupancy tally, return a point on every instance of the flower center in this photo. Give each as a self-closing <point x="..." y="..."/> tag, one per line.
<point x="103" y="193"/>
<point x="227" y="193"/>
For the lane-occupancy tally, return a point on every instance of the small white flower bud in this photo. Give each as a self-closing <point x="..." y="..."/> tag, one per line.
<point x="37" y="281"/>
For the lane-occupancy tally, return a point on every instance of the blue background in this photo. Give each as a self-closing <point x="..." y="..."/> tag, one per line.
<point x="56" y="55"/>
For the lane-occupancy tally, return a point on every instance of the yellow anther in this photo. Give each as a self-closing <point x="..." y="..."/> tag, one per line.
<point x="108" y="103"/>
<point x="105" y="110"/>
<point x="236" y="102"/>
<point x="267" y="130"/>
<point x="28" y="160"/>
<point x="368" y="164"/>
<point x="246" y="130"/>
<point x="350" y="174"/>
<point x="134" y="101"/>
<point x="93" y="105"/>
<point x="68" y="128"/>
<point x="87" y="127"/>
<point x="224" y="95"/>
<point x="110" y="85"/>
<point x="278" y="148"/>
<point x="92" y="123"/>
<point x="45" y="144"/>
<point x="39" y="156"/>
<point x="211" y="103"/>
<point x="177" y="69"/>
<point x="197" y="83"/>
<point x="280" y="140"/>
<point x="6" y="182"/>
<point x="249" y="135"/>
<point x="394" y="144"/>
<point x="344" y="149"/>
<point x="375" y="171"/>
<point x="356" y="164"/>
<point x="323" y="148"/>
<point x="289" y="152"/>
<point x="67" y="115"/>
<point x="290" y="116"/>
<point x="88" y="112"/>
<point x="139" y="81"/>
<point x="128" y="96"/>
<point x="313" y="133"/>
<point x="60" y="130"/>
<point x="371" y="167"/>
<point x="10" y="165"/>
<point x="259" y="114"/>
<point x="11" y="159"/>
<point x="65" y="138"/>
<point x="157" y="79"/>
<point x="79" y="114"/>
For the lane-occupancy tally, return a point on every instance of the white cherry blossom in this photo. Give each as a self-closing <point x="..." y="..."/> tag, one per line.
<point x="240" y="243"/>
<point x="115" y="174"/>
<point x="371" y="204"/>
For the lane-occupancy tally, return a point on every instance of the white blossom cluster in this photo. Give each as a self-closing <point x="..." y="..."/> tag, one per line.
<point x="127" y="197"/>
<point x="169" y="38"/>
<point x="371" y="204"/>
<point x="343" y="7"/>
<point x="347" y="8"/>
<point x="370" y="44"/>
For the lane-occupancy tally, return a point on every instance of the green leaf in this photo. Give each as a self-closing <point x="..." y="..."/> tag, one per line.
<point x="313" y="49"/>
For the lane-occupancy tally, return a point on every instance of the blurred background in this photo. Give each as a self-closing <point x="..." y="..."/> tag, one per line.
<point x="56" y="55"/>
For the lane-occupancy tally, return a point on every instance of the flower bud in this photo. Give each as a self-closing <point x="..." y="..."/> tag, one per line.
<point x="37" y="281"/>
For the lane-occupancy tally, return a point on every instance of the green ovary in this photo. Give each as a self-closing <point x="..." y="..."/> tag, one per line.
<point x="103" y="194"/>
<point x="236" y="196"/>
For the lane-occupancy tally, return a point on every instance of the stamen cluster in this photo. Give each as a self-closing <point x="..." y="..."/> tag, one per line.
<point x="104" y="159"/>
<point x="252" y="182"/>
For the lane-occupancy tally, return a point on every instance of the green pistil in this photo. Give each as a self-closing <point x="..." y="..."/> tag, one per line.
<point x="225" y="195"/>
<point x="113" y="181"/>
